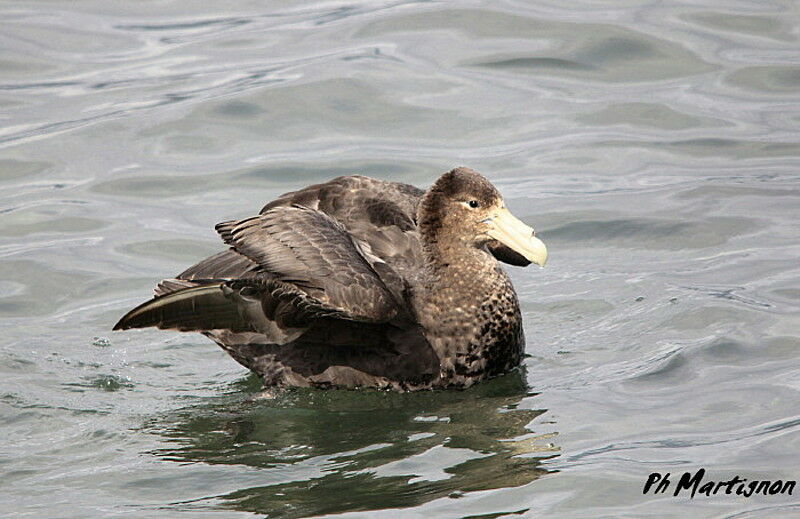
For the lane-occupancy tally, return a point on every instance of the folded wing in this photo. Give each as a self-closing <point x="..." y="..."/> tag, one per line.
<point x="309" y="250"/>
<point x="286" y="268"/>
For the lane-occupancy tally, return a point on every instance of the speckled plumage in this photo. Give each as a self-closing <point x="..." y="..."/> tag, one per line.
<point x="357" y="282"/>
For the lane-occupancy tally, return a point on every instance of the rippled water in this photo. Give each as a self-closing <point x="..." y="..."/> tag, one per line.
<point x="655" y="145"/>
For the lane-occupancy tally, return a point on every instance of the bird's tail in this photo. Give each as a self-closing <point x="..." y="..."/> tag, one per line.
<point x="205" y="306"/>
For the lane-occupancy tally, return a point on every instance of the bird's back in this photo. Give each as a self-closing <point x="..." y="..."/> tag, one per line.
<point x="379" y="214"/>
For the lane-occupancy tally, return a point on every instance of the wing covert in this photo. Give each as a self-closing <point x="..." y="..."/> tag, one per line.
<point x="304" y="248"/>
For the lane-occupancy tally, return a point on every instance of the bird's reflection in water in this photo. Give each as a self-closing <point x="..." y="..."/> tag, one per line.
<point x="337" y="451"/>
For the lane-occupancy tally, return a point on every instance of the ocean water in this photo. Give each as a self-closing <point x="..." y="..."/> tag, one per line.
<point x="654" y="145"/>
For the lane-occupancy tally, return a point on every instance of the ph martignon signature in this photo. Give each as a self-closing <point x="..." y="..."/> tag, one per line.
<point x="659" y="483"/>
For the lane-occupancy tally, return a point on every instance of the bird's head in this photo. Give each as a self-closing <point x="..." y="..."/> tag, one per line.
<point x="464" y="208"/>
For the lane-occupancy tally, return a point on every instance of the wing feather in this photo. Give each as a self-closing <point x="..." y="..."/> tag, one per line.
<point x="308" y="250"/>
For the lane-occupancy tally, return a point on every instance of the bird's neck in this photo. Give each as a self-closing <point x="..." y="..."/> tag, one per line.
<point x="459" y="275"/>
<point x="442" y="254"/>
<point x="458" y="279"/>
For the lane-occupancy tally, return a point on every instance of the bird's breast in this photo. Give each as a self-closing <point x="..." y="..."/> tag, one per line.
<point x="474" y="326"/>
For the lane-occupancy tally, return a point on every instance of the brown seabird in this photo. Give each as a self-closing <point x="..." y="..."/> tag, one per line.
<point x="360" y="282"/>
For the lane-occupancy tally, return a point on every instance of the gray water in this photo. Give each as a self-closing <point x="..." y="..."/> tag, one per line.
<point x="654" y="145"/>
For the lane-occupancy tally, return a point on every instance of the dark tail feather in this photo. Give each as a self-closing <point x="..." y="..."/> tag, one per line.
<point x="198" y="308"/>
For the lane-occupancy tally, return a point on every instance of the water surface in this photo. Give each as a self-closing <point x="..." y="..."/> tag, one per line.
<point x="654" y="145"/>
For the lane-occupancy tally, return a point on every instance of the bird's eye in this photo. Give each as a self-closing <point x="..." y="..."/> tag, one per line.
<point x="473" y="204"/>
